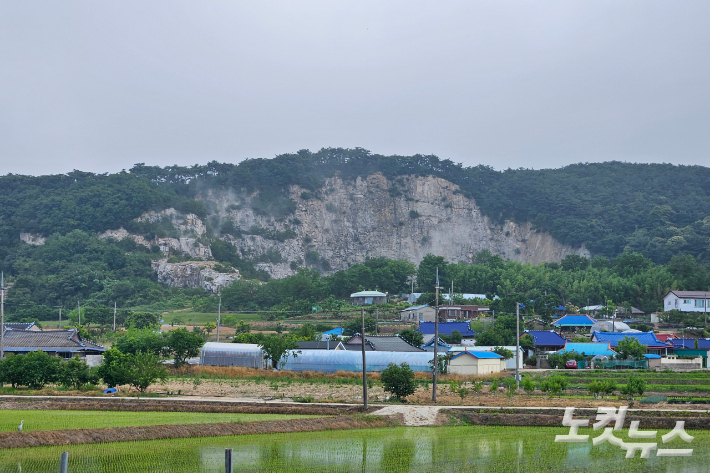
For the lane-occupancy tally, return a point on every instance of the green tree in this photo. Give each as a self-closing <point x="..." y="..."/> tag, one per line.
<point x="115" y="368"/>
<point x="145" y="369"/>
<point x="183" y="345"/>
<point x="209" y="327"/>
<point x="528" y="385"/>
<point x="634" y="386"/>
<point x="355" y="326"/>
<point x="504" y="352"/>
<point x="136" y="340"/>
<point x="527" y="342"/>
<point x="278" y="349"/>
<point x="398" y="380"/>
<point x="630" y="348"/>
<point x="412" y="336"/>
<point x="142" y="320"/>
<point x="76" y="373"/>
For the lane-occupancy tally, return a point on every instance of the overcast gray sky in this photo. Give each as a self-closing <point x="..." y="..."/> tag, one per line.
<point x="99" y="86"/>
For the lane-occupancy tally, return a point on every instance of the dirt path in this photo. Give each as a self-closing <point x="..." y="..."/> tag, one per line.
<point x="413" y="415"/>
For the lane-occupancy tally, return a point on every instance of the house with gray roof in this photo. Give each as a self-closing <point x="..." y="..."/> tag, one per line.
<point x="381" y="343"/>
<point x="63" y="343"/>
<point x="368" y="298"/>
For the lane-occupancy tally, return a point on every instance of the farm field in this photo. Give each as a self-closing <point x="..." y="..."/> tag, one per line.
<point x="55" y="420"/>
<point x="412" y="449"/>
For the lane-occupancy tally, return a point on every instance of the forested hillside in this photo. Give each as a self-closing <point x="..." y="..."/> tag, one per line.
<point x="661" y="212"/>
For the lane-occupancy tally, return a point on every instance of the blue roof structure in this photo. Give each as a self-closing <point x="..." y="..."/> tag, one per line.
<point x="574" y="321"/>
<point x="651" y="356"/>
<point x="546" y="338"/>
<point x="479" y="354"/>
<point x="336" y="331"/>
<point x="592" y="348"/>
<point x="445" y="328"/>
<point x="560" y="307"/>
<point x="645" y="338"/>
<point x="689" y="343"/>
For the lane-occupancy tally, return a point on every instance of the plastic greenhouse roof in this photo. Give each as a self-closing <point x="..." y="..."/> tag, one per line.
<point x="232" y="354"/>
<point x="337" y="360"/>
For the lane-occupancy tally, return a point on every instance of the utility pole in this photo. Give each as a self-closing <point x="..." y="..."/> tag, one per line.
<point x="114" y="316"/>
<point x="517" y="344"/>
<point x="377" y="319"/>
<point x="219" y="314"/>
<point x="2" y="316"/>
<point x="78" y="308"/>
<point x="436" y="337"/>
<point x="364" y="367"/>
<point x="60" y="316"/>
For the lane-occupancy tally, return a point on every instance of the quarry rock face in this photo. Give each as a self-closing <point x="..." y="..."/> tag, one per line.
<point x="341" y="224"/>
<point x="347" y="222"/>
<point x="193" y="274"/>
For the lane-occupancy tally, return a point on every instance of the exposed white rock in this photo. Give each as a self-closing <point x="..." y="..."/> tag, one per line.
<point x="193" y="274"/>
<point x="32" y="239"/>
<point x="186" y="223"/>
<point x="368" y="218"/>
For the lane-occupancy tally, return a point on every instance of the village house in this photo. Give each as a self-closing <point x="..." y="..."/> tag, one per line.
<point x="368" y="298"/>
<point x="687" y="301"/>
<point x="416" y="314"/>
<point x="476" y="363"/>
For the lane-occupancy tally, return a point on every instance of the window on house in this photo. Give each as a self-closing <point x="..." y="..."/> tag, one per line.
<point x="686" y="301"/>
<point x="699" y="303"/>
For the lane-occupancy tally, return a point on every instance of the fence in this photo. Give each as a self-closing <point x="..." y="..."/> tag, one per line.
<point x="621" y="364"/>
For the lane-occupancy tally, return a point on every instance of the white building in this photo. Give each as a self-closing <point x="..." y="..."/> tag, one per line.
<point x="687" y="301"/>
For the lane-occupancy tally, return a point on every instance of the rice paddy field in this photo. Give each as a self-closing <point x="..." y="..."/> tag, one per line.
<point x="404" y="449"/>
<point x="55" y="420"/>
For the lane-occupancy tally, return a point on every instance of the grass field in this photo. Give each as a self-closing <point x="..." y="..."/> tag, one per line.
<point x="55" y="420"/>
<point x="413" y="449"/>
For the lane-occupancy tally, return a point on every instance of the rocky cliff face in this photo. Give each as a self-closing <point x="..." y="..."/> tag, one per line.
<point x="189" y="226"/>
<point x="347" y="222"/>
<point x="193" y="274"/>
<point x="341" y="224"/>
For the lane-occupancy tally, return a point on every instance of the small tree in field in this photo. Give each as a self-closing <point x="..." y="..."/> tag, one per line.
<point x="398" y="380"/>
<point x="144" y="370"/>
<point x="277" y="349"/>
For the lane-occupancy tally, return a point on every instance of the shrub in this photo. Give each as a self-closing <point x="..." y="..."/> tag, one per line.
<point x="529" y="385"/>
<point x="633" y="387"/>
<point x="35" y="370"/>
<point x="463" y="392"/>
<point x="554" y="385"/>
<point x="76" y="373"/>
<point x="398" y="380"/>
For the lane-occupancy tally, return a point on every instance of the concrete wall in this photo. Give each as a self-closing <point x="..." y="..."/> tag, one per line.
<point x="675" y="364"/>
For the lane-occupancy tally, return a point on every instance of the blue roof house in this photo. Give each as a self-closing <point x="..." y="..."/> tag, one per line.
<point x="575" y="321"/>
<point x="590" y="349"/>
<point x="546" y="340"/>
<point x="445" y="328"/>
<point x="654" y="345"/>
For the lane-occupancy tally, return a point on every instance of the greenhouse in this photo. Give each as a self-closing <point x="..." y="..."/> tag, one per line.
<point x="330" y="361"/>
<point x="232" y="354"/>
